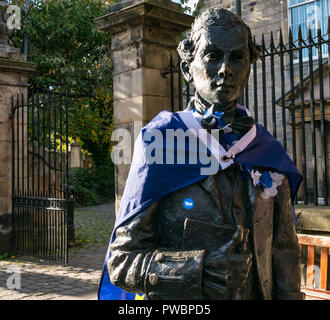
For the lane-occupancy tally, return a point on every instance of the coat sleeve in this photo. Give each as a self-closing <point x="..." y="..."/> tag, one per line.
<point x="285" y="251"/>
<point x="137" y="263"/>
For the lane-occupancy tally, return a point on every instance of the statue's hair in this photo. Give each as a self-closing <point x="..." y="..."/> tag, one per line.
<point x="214" y="17"/>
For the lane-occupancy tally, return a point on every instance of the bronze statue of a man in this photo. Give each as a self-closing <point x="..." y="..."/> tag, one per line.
<point x="226" y="235"/>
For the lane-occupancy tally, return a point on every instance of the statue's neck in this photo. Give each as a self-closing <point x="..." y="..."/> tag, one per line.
<point x="228" y="108"/>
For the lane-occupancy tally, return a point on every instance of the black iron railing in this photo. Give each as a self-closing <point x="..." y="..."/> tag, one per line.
<point x="40" y="174"/>
<point x="287" y="94"/>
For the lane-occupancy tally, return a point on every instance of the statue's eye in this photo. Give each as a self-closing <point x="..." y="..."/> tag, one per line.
<point x="237" y="56"/>
<point x="211" y="56"/>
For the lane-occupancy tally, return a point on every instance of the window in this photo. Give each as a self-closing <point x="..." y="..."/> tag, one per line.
<point x="309" y="13"/>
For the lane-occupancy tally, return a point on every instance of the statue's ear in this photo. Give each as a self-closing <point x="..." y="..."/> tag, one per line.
<point x="184" y="65"/>
<point x="255" y="52"/>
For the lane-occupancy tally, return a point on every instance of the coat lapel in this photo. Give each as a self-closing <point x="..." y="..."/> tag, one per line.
<point x="208" y="186"/>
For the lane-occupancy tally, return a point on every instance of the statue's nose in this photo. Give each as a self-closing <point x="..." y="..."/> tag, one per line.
<point x="225" y="70"/>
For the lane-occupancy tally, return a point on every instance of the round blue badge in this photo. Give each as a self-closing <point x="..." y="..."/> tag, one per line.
<point x="188" y="203"/>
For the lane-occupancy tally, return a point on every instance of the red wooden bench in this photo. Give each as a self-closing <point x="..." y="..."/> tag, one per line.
<point x="309" y="288"/>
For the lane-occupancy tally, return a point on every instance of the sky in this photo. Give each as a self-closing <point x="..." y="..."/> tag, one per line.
<point x="191" y="3"/>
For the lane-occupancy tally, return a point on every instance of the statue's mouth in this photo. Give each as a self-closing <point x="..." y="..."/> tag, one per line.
<point x="223" y="86"/>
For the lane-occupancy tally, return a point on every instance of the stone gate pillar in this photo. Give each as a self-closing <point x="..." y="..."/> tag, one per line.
<point x="14" y="72"/>
<point x="143" y="36"/>
<point x="75" y="155"/>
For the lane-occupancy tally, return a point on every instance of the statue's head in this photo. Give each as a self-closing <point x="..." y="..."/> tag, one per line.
<point x="217" y="56"/>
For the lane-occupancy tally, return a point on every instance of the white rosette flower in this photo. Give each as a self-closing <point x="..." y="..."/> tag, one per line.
<point x="272" y="191"/>
<point x="277" y="178"/>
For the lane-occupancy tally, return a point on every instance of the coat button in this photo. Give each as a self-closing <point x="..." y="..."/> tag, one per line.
<point x="160" y="257"/>
<point x="153" y="279"/>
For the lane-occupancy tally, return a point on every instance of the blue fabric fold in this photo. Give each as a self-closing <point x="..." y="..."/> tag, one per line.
<point x="147" y="183"/>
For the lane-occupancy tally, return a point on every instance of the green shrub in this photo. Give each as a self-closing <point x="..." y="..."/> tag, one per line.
<point x="85" y="197"/>
<point x="104" y="177"/>
<point x="92" y="185"/>
<point x="8" y="255"/>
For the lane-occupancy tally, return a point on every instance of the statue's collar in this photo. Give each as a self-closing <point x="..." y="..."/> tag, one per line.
<point x="192" y="121"/>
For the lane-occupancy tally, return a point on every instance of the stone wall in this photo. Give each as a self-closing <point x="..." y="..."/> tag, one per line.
<point x="226" y="4"/>
<point x="13" y="80"/>
<point x="144" y="34"/>
<point x="14" y="72"/>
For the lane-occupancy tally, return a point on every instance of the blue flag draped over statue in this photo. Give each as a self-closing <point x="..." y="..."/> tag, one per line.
<point x="148" y="182"/>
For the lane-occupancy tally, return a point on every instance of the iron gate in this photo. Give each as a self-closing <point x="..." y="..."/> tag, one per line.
<point x="40" y="174"/>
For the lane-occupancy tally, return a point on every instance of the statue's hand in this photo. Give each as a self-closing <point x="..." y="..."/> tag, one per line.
<point x="227" y="267"/>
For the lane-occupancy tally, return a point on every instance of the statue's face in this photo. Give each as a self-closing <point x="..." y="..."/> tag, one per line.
<point x="221" y="66"/>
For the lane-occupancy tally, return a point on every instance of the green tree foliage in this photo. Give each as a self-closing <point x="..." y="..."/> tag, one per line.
<point x="71" y="52"/>
<point x="188" y="8"/>
<point x="66" y="45"/>
<point x="199" y="6"/>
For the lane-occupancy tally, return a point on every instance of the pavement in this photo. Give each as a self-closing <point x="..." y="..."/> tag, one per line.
<point x="28" y="278"/>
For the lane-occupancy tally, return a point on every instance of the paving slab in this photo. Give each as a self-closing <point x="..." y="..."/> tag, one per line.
<point x="40" y="279"/>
